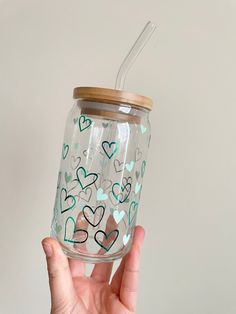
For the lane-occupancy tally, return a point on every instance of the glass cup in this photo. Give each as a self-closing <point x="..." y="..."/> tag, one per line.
<point x="100" y="179"/>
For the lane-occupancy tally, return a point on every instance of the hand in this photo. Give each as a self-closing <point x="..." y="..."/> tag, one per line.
<point x="74" y="293"/>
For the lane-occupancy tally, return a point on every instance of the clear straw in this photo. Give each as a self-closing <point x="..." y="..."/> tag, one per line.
<point x="133" y="53"/>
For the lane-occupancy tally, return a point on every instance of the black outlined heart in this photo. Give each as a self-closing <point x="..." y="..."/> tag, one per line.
<point x="93" y="217"/>
<point x="85" y="179"/>
<point x="67" y="202"/>
<point x="126" y="180"/>
<point x="106" y="240"/>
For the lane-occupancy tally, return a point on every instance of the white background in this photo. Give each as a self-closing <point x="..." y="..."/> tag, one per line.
<point x="188" y="201"/>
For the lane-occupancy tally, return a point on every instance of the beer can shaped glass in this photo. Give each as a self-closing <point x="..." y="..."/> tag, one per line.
<point x="104" y="156"/>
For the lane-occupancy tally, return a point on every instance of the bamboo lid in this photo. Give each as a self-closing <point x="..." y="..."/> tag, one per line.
<point x="112" y="96"/>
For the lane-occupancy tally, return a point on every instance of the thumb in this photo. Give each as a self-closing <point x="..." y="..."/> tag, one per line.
<point x="62" y="290"/>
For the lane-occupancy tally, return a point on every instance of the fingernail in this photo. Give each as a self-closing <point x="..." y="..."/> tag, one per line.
<point x="47" y="249"/>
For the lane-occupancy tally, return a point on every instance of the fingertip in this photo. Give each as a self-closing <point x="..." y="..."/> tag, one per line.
<point x="51" y="247"/>
<point x="139" y="235"/>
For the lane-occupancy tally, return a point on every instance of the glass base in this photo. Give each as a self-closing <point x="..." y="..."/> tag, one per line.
<point x="95" y="258"/>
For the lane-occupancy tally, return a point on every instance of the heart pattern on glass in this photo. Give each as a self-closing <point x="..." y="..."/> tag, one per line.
<point x="65" y="150"/>
<point x="85" y="179"/>
<point x="106" y="240"/>
<point x="138" y="154"/>
<point x="118" y="165"/>
<point x="85" y="194"/>
<point x="121" y="192"/>
<point x="74" y="162"/>
<point x="118" y="216"/>
<point x="110" y="148"/>
<point x="84" y="123"/>
<point x="67" y="202"/>
<point x="72" y="233"/>
<point x="133" y="208"/>
<point x="93" y="217"/>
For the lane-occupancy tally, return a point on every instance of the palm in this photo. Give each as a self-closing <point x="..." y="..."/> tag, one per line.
<point x="98" y="297"/>
<point x="75" y="293"/>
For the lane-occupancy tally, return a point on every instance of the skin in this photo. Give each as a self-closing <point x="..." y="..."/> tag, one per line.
<point x="72" y="292"/>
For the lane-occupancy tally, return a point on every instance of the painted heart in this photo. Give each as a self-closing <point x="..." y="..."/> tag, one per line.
<point x="138" y="154"/>
<point x="118" y="215"/>
<point x="103" y="162"/>
<point x="68" y="177"/>
<point x="106" y="240"/>
<point x="121" y="193"/>
<point x="105" y="125"/>
<point x="72" y="185"/>
<point x="58" y="228"/>
<point x="65" y="150"/>
<point x="126" y="180"/>
<point x="89" y="153"/>
<point x="85" y="179"/>
<point x="143" y="167"/>
<point x="110" y="148"/>
<point x="84" y="123"/>
<point x="118" y="165"/>
<point x="59" y="180"/>
<point x="143" y="129"/>
<point x="133" y="208"/>
<point x="86" y="194"/>
<point x="93" y="217"/>
<point x="105" y="184"/>
<point x="74" y="162"/>
<point x="101" y="196"/>
<point x="137" y="187"/>
<point x="67" y="202"/>
<point x="149" y="140"/>
<point x="130" y="166"/>
<point x="126" y="238"/>
<point x="114" y="201"/>
<point x="72" y="234"/>
<point x="137" y="174"/>
<point x="76" y="146"/>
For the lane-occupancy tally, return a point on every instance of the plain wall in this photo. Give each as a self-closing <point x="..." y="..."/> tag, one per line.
<point x="188" y="200"/>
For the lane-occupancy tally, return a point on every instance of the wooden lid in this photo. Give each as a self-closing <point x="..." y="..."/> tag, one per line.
<point x="113" y="96"/>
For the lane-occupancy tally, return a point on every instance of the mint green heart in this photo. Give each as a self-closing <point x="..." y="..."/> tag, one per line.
<point x="126" y="239"/>
<point x="58" y="228"/>
<point x="143" y="167"/>
<point x="118" y="215"/>
<point x="101" y="196"/>
<point x="137" y="187"/>
<point x="130" y="166"/>
<point x="76" y="146"/>
<point x="68" y="177"/>
<point x="143" y="129"/>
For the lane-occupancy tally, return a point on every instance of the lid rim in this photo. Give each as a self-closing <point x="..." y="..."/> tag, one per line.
<point x="112" y="95"/>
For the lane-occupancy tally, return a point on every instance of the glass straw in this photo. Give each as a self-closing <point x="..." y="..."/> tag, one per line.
<point x="133" y="53"/>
